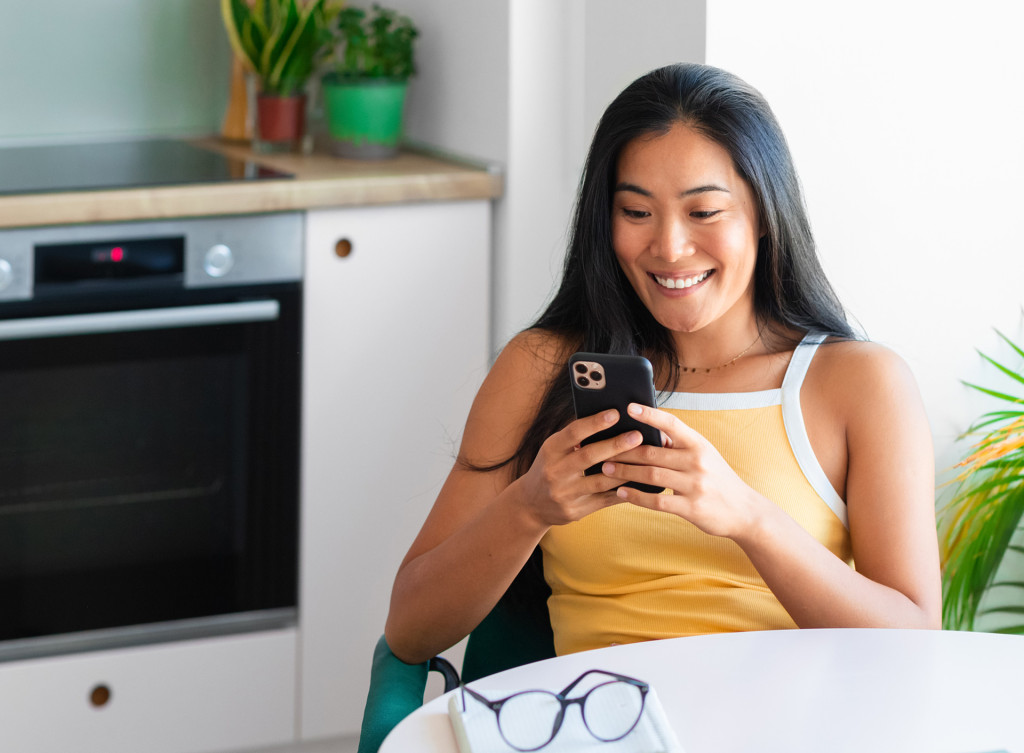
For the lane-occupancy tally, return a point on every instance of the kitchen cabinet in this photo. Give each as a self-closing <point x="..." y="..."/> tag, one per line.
<point x="394" y="349"/>
<point x="206" y="695"/>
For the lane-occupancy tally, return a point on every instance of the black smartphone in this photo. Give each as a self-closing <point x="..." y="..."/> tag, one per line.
<point x="601" y="381"/>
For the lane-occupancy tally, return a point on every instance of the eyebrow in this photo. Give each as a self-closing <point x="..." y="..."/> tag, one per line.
<point x="633" y="188"/>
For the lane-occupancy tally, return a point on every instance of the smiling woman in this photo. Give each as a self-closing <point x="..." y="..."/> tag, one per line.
<point x="790" y="449"/>
<point x="686" y="245"/>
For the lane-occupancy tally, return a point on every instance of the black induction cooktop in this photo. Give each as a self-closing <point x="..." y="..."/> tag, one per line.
<point x="128" y="164"/>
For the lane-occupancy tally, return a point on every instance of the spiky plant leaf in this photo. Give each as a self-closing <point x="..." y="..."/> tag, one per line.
<point x="985" y="512"/>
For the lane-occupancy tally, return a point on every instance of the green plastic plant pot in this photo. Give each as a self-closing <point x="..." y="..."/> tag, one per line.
<point x="364" y="118"/>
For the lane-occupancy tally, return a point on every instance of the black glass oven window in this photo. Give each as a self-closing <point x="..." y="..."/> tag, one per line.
<point x="135" y="483"/>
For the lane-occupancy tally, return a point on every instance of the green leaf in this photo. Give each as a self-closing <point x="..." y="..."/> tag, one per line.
<point x="1009" y="372"/>
<point x="1011" y="343"/>
<point x="1010" y="609"/>
<point x="374" y="45"/>
<point x="281" y="40"/>
<point x="994" y="393"/>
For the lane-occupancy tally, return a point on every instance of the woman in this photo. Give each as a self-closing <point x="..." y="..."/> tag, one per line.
<point x="787" y="462"/>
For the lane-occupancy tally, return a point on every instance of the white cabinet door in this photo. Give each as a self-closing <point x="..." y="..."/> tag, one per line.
<point x="395" y="346"/>
<point x="216" y="694"/>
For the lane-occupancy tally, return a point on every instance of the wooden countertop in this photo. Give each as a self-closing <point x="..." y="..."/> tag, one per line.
<point x="320" y="181"/>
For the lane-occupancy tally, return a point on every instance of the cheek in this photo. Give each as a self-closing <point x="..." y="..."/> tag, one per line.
<point x="740" y="243"/>
<point x="627" y="242"/>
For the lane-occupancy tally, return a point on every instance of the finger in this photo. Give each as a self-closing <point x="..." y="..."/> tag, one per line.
<point x="674" y="432"/>
<point x="654" y="475"/>
<point x="598" y="452"/>
<point x="582" y="428"/>
<point x="652" y="501"/>
<point x="646" y="454"/>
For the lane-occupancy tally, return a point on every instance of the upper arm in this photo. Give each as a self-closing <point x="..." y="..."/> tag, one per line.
<point x="502" y="411"/>
<point x="877" y="412"/>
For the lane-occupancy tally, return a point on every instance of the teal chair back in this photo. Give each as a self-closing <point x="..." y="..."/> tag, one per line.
<point x="516" y="632"/>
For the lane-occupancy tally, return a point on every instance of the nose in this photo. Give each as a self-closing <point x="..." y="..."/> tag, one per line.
<point x="673" y="240"/>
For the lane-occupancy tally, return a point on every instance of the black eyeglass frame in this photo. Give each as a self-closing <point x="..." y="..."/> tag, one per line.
<point x="565" y="702"/>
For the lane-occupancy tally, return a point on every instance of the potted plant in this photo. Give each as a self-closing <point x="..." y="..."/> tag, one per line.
<point x="979" y="524"/>
<point x="280" y="42"/>
<point x="364" y="90"/>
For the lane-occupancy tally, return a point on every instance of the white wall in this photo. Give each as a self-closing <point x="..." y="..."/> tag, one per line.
<point x="542" y="72"/>
<point x="905" y="121"/>
<point x="459" y="97"/>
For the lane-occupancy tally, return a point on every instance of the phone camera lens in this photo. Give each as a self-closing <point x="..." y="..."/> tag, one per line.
<point x="581" y="368"/>
<point x="582" y="381"/>
<point x="595" y="375"/>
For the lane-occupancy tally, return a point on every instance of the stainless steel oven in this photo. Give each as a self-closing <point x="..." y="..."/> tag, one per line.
<point x="149" y="431"/>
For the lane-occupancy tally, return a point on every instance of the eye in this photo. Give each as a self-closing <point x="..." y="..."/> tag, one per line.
<point x="635" y="214"/>
<point x="705" y="214"/>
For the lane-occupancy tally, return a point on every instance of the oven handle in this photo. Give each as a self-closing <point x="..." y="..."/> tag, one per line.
<point x="131" y="321"/>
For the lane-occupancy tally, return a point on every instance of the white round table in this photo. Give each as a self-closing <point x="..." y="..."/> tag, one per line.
<point x="797" y="691"/>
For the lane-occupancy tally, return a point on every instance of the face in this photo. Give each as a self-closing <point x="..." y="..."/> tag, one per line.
<point x="685" y="229"/>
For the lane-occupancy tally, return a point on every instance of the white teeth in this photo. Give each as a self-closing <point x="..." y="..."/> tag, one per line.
<point x="682" y="282"/>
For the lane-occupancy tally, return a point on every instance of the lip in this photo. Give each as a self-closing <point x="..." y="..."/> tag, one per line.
<point x="683" y="284"/>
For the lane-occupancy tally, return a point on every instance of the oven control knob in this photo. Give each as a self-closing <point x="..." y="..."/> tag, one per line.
<point x="219" y="261"/>
<point x="6" y="274"/>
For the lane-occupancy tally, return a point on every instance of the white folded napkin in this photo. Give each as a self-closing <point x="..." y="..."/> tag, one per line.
<point x="476" y="730"/>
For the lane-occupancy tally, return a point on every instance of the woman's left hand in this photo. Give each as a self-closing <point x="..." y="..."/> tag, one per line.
<point x="706" y="490"/>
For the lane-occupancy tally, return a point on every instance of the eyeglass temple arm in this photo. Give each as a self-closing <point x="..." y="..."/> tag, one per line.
<point x="579" y="679"/>
<point x="604" y="672"/>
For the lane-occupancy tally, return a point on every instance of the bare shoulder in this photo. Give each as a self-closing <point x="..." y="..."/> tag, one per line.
<point x="508" y="399"/>
<point x="860" y="386"/>
<point x="863" y="412"/>
<point x="857" y="369"/>
<point x="526" y="365"/>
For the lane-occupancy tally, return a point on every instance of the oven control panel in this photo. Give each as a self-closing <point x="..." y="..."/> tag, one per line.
<point x="189" y="253"/>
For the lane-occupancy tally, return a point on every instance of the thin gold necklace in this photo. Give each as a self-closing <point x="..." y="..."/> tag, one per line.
<point x="730" y="362"/>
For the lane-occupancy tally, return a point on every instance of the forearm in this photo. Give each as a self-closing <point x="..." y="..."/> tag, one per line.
<point x="442" y="594"/>
<point x="819" y="590"/>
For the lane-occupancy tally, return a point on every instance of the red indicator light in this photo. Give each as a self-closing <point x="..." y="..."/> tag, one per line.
<point x="116" y="253"/>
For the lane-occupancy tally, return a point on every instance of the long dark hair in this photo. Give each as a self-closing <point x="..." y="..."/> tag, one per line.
<point x="596" y="309"/>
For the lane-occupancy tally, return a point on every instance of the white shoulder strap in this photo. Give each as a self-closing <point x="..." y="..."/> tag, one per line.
<point x="801" y="361"/>
<point x="793" y="418"/>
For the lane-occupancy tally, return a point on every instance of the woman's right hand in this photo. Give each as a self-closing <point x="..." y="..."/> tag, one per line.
<point x="556" y="489"/>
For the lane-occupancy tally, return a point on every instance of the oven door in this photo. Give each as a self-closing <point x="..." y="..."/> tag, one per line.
<point x="148" y="468"/>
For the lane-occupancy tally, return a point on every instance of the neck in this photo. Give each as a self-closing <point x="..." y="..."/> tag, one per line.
<point x="718" y="346"/>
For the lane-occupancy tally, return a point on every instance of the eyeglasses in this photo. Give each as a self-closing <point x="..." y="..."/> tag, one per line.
<point x="530" y="719"/>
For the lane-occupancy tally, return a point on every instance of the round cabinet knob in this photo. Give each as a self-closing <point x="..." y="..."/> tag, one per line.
<point x="100" y="696"/>
<point x="6" y="274"/>
<point x="218" y="261"/>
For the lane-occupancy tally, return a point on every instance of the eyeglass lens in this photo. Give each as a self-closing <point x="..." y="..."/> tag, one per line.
<point x="528" y="721"/>
<point x="612" y="710"/>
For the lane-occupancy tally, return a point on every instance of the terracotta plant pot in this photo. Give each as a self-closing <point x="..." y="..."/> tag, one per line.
<point x="280" y="122"/>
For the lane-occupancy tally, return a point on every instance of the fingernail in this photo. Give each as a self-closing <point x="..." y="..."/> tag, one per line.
<point x="608" y="469"/>
<point x="621" y="492"/>
<point x="634" y="409"/>
<point x="610" y="416"/>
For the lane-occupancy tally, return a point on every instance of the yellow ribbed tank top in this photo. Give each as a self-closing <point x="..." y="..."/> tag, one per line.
<point x="626" y="574"/>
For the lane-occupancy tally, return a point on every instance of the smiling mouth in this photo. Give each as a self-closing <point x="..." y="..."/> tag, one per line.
<point x="676" y="283"/>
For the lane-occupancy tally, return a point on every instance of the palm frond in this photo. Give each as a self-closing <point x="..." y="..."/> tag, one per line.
<point x="1012" y="630"/>
<point x="985" y="511"/>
